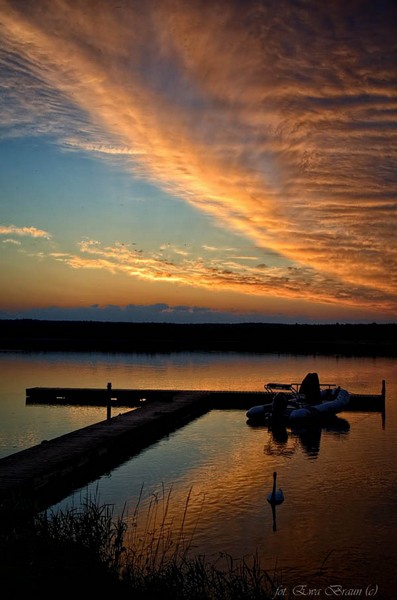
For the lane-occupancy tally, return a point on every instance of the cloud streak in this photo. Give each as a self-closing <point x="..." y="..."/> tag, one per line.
<point x="279" y="120"/>
<point x="208" y="272"/>
<point x="24" y="232"/>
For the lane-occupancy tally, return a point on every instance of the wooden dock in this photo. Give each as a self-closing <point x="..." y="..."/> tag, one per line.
<point x="119" y="397"/>
<point x="38" y="477"/>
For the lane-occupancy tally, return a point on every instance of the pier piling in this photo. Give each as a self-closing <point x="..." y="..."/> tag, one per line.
<point x="109" y="402"/>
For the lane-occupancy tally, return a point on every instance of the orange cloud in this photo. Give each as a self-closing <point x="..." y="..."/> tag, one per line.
<point x="279" y="124"/>
<point x="212" y="273"/>
<point x="24" y="231"/>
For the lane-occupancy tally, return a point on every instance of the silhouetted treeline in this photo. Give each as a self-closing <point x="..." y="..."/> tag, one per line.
<point x="347" y="339"/>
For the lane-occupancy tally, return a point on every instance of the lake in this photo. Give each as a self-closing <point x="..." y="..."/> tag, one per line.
<point x="336" y="532"/>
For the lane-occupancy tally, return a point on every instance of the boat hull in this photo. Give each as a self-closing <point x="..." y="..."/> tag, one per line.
<point x="293" y="414"/>
<point x="330" y="407"/>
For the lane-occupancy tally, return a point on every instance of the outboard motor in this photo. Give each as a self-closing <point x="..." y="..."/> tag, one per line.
<point x="310" y="388"/>
<point x="279" y="404"/>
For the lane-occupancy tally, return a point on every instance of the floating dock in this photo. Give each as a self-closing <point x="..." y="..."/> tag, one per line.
<point x="35" y="478"/>
<point x="119" y="397"/>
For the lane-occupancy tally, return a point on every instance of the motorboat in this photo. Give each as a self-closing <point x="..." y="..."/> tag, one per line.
<point x="292" y="403"/>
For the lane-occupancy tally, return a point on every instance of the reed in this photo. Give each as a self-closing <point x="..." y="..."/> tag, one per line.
<point x="161" y="539"/>
<point x="149" y="554"/>
<point x="91" y="526"/>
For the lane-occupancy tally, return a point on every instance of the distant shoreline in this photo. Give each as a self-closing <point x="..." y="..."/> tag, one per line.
<point x="342" y="339"/>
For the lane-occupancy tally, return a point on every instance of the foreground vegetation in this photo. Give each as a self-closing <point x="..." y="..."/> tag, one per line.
<point x="88" y="550"/>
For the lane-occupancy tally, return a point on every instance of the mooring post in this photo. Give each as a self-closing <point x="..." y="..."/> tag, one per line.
<point x="109" y="402"/>
<point x="383" y="389"/>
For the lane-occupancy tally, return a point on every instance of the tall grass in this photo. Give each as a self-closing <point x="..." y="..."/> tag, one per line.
<point x="91" y="526"/>
<point x="148" y="554"/>
<point x="155" y="538"/>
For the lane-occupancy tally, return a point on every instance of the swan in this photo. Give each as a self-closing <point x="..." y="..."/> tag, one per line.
<point x="275" y="497"/>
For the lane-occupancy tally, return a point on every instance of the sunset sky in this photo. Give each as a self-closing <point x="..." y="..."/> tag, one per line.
<point x="198" y="160"/>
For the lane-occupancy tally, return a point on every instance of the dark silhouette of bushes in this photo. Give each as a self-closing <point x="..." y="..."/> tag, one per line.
<point x="344" y="339"/>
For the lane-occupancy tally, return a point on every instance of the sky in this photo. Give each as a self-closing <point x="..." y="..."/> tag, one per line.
<point x="198" y="160"/>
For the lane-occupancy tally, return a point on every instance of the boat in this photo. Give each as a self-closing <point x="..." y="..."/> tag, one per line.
<point x="293" y="403"/>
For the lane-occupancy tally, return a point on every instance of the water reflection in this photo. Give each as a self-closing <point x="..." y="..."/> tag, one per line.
<point x="283" y="440"/>
<point x="273" y="506"/>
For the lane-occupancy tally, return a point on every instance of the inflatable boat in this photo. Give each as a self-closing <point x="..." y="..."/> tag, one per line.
<point x="292" y="403"/>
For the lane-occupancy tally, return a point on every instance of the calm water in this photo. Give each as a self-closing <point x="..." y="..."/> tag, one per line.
<point x="338" y="523"/>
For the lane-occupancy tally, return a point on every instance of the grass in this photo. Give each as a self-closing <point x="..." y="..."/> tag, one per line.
<point x="87" y="549"/>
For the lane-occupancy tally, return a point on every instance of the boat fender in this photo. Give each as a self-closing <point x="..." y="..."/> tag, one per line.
<point x="256" y="412"/>
<point x="304" y="413"/>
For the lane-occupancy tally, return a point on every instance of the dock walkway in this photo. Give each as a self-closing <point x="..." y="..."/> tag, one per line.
<point x="122" y="397"/>
<point x="37" y="477"/>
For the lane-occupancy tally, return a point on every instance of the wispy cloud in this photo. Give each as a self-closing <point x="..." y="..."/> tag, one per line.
<point x="209" y="271"/>
<point x="277" y="119"/>
<point x="12" y="241"/>
<point x="212" y="273"/>
<point x="24" y="231"/>
<point x="100" y="148"/>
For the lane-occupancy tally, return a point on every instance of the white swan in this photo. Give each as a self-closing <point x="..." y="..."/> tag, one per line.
<point x="275" y="497"/>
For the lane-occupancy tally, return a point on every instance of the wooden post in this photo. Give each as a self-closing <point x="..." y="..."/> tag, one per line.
<point x="109" y="402"/>
<point x="383" y="396"/>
